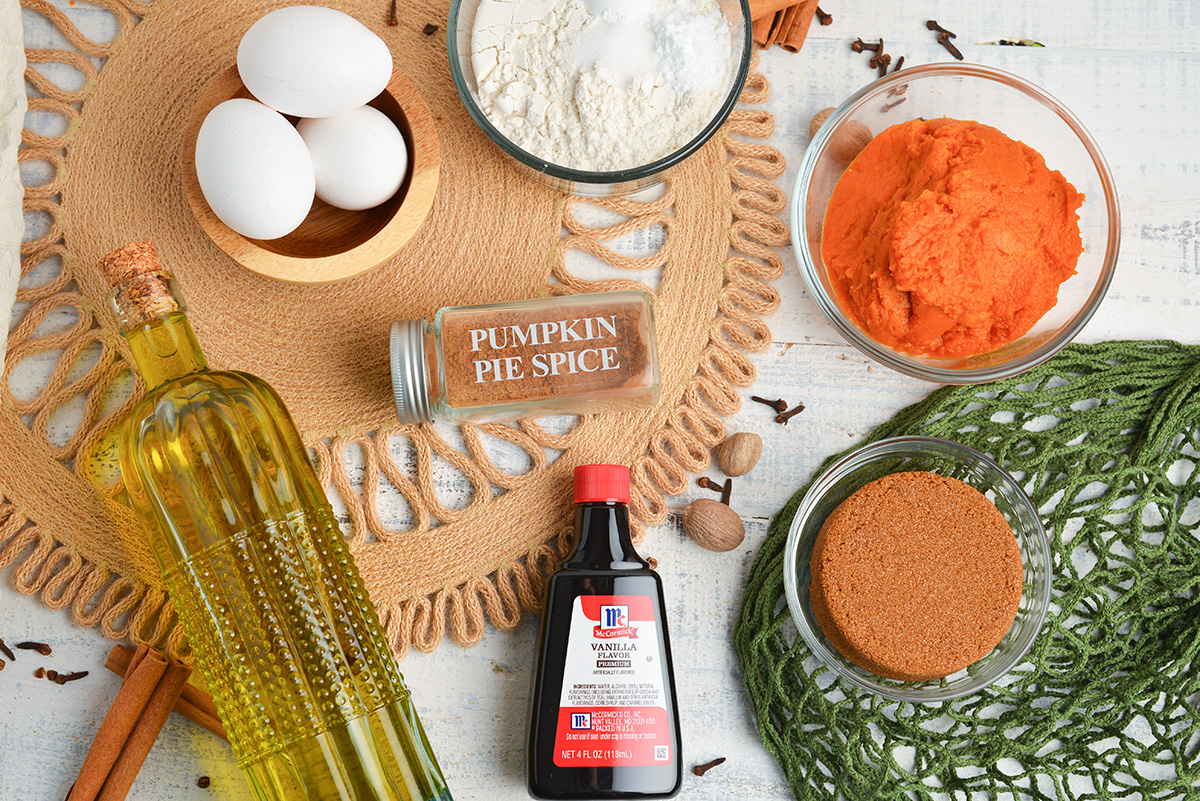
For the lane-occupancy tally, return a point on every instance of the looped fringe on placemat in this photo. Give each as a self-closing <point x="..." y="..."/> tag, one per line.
<point x="111" y="581"/>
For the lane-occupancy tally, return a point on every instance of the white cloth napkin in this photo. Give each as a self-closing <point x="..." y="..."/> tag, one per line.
<point x="12" y="119"/>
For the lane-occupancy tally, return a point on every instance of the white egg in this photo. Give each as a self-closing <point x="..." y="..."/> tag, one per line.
<point x="359" y="157"/>
<point x="311" y="61"/>
<point x="254" y="169"/>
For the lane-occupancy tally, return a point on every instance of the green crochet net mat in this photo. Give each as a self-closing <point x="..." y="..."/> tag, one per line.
<point x="1106" y="440"/>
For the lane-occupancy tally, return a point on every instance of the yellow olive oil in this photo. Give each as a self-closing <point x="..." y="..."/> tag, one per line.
<point x="260" y="574"/>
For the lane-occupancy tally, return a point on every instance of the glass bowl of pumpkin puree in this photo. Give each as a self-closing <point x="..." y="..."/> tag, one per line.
<point x="955" y="223"/>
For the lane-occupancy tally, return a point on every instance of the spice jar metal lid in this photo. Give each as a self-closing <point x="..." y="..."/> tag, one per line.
<point x="409" y="377"/>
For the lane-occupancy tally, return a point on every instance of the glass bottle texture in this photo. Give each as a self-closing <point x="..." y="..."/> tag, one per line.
<point x="604" y="721"/>
<point x="260" y="574"/>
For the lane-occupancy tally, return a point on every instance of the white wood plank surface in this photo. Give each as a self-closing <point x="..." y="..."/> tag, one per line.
<point x="1129" y="71"/>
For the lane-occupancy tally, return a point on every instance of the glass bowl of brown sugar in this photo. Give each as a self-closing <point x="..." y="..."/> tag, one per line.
<point x="919" y="615"/>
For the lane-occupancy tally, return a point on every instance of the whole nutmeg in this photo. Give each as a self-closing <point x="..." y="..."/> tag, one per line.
<point x="713" y="525"/>
<point x="738" y="454"/>
<point x="818" y="120"/>
<point x="848" y="141"/>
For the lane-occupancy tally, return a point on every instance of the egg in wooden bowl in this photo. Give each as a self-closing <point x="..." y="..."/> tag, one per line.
<point x="303" y="192"/>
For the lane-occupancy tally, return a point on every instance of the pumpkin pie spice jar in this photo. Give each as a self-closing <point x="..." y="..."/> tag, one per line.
<point x="501" y="361"/>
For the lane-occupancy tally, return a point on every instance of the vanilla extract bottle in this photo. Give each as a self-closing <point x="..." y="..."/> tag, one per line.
<point x="262" y="580"/>
<point x="603" y="719"/>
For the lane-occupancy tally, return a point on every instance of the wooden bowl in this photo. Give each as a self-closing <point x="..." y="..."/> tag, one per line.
<point x="331" y="244"/>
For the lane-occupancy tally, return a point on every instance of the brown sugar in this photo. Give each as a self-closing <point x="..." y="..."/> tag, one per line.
<point x="915" y="576"/>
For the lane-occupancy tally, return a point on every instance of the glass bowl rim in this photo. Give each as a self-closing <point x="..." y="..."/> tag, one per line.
<point x="895" y="446"/>
<point x="903" y="363"/>
<point x="630" y="174"/>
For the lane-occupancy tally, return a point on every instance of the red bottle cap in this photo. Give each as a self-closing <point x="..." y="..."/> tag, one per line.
<point x="602" y="483"/>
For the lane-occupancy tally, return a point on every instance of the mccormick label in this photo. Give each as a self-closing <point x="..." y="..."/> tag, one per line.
<point x="612" y="710"/>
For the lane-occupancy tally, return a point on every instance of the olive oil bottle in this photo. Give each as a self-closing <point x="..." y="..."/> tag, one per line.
<point x="261" y="577"/>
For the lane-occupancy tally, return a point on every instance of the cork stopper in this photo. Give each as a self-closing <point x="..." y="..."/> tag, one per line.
<point x="138" y="258"/>
<point x="143" y="290"/>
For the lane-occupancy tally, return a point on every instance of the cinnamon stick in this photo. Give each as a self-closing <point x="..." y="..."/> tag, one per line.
<point x="761" y="30"/>
<point x="767" y="8"/>
<point x="141" y="739"/>
<point x="776" y="26"/>
<point x="194" y="704"/>
<point x="789" y="17"/>
<point x="146" y="669"/>
<point x="198" y="707"/>
<point x="793" y="37"/>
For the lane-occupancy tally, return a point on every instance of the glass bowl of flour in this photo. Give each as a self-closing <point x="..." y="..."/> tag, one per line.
<point x="599" y="97"/>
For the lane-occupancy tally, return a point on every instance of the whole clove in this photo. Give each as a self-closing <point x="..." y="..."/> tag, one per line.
<point x="4" y="649"/>
<point x="203" y="782"/>
<point x="392" y="21"/>
<point x="63" y="679"/>
<point x="788" y="415"/>
<point x="29" y="645"/>
<point x="933" y="26"/>
<point x="780" y="405"/>
<point x="880" y="60"/>
<point x="40" y="673"/>
<point x="700" y="770"/>
<point x="823" y="18"/>
<point x="725" y="489"/>
<point x="944" y="41"/>
<point x="899" y="64"/>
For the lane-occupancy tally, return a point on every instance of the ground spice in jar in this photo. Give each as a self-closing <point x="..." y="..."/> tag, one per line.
<point x="579" y="353"/>
<point x="915" y="576"/>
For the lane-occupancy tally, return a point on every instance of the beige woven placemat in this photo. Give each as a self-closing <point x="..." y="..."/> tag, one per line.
<point x="453" y="562"/>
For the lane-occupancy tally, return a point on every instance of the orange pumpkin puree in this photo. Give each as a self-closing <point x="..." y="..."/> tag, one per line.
<point x="946" y="238"/>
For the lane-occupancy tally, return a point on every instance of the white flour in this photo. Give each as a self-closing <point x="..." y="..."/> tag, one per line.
<point x="600" y="84"/>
